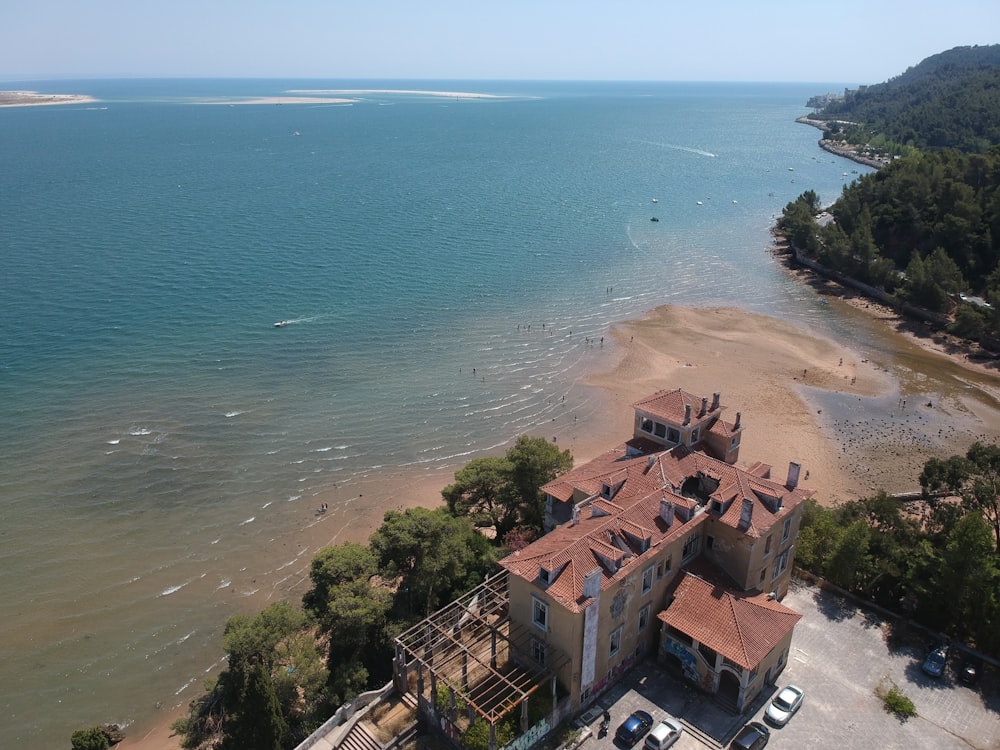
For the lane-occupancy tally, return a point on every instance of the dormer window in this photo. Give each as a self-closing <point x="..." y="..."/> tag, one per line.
<point x="545" y="576"/>
<point x="717" y="507"/>
<point x="606" y="491"/>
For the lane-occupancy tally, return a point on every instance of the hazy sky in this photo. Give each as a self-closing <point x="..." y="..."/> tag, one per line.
<point x="848" y="41"/>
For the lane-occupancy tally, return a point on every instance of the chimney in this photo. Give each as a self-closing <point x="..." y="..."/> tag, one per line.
<point x="715" y="401"/>
<point x="793" y="475"/>
<point x="746" y="514"/>
<point x="576" y="515"/>
<point x="649" y="463"/>
<point x="687" y="413"/>
<point x="736" y="426"/>
<point x="667" y="511"/>
<point x="704" y="407"/>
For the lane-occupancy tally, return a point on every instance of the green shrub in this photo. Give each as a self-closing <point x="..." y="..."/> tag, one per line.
<point x="895" y="702"/>
<point x="89" y="739"/>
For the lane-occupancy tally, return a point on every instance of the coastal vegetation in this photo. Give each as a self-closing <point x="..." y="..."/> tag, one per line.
<point x="935" y="561"/>
<point x="924" y="229"/>
<point x="950" y="100"/>
<point x="288" y="669"/>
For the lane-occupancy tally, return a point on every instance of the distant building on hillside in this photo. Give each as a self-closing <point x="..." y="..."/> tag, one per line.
<point x="662" y="546"/>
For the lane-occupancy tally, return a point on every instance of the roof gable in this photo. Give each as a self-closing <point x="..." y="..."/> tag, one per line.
<point x="743" y="628"/>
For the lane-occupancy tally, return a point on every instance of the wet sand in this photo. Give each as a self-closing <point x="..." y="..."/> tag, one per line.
<point x="837" y="410"/>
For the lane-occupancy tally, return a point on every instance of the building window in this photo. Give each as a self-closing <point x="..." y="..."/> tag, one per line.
<point x="767" y="545"/>
<point x="669" y="564"/>
<point x="673" y="436"/>
<point x="786" y="529"/>
<point x="616" y="640"/>
<point x="691" y="547"/>
<point x="647" y="580"/>
<point x="709" y="542"/>
<point x="717" y="506"/>
<point x="646" y="425"/>
<point x="780" y="563"/>
<point x="660" y="430"/>
<point x="694" y="436"/>
<point x="644" y="617"/>
<point x="538" y="651"/>
<point x="763" y="575"/>
<point x="543" y="576"/>
<point x="540" y="613"/>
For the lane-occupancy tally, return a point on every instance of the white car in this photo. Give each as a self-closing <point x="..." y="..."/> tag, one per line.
<point x="664" y="734"/>
<point x="785" y="704"/>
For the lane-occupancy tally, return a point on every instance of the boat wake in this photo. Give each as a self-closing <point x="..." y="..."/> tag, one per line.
<point x="689" y="149"/>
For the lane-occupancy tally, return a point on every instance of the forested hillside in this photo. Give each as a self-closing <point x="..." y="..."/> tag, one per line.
<point x="926" y="227"/>
<point x="950" y="100"/>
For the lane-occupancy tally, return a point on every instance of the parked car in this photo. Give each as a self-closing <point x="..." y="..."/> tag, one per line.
<point x="935" y="661"/>
<point x="784" y="705"/>
<point x="752" y="737"/>
<point x="664" y="734"/>
<point x="634" y="728"/>
<point x="971" y="668"/>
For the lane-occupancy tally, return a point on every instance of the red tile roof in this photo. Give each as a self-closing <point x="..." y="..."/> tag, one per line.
<point x="670" y="406"/>
<point x="744" y="629"/>
<point x="637" y="485"/>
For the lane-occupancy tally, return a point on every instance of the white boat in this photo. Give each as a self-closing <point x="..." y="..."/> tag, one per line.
<point x="656" y="200"/>
<point x="281" y="324"/>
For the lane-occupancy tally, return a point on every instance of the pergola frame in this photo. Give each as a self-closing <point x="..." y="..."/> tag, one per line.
<point x="463" y="646"/>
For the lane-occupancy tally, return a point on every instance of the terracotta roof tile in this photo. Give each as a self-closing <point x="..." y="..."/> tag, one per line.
<point x="743" y="628"/>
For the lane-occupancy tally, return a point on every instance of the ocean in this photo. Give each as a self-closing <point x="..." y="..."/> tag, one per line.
<point x="447" y="269"/>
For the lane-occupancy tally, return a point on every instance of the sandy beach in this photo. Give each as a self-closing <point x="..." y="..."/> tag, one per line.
<point x="771" y="371"/>
<point x="234" y="101"/>
<point x="35" y="99"/>
<point x="400" y="92"/>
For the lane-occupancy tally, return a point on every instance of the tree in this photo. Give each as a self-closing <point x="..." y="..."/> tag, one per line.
<point x="975" y="477"/>
<point x="256" y="722"/>
<point x="535" y="462"/>
<point x="434" y="555"/>
<point x="850" y="561"/>
<point x="89" y="739"/>
<point x="352" y="610"/>
<point x="483" y="488"/>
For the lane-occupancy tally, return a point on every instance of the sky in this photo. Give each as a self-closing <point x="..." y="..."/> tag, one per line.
<point x="849" y="41"/>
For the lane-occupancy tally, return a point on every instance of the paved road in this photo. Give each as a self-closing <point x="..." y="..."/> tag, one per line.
<point x="839" y="656"/>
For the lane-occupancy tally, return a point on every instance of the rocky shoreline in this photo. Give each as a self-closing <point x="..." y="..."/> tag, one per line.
<point x="840" y="148"/>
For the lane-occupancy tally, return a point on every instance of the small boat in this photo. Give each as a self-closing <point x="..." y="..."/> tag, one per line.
<point x="699" y="203"/>
<point x="281" y="324"/>
<point x="654" y="219"/>
<point x="656" y="200"/>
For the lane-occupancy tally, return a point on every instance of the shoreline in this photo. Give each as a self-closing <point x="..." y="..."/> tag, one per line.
<point x="839" y="148"/>
<point x="773" y="372"/>
<point x="36" y="99"/>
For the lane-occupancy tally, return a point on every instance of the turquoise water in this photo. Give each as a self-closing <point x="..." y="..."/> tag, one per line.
<point x="163" y="445"/>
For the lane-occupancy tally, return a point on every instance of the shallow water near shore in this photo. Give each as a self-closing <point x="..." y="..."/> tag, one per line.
<point x="448" y="271"/>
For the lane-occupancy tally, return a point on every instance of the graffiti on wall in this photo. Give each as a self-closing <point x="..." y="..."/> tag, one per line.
<point x="536" y="734"/>
<point x="687" y="659"/>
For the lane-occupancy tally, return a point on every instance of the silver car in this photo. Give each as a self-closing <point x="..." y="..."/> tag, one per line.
<point x="785" y="704"/>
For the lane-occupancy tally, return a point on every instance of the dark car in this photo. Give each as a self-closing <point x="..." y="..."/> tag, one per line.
<point x="752" y="737"/>
<point x="634" y="728"/>
<point x="935" y="661"/>
<point x="971" y="668"/>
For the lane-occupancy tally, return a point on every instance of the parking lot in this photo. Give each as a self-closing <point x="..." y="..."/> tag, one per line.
<point x="839" y="656"/>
